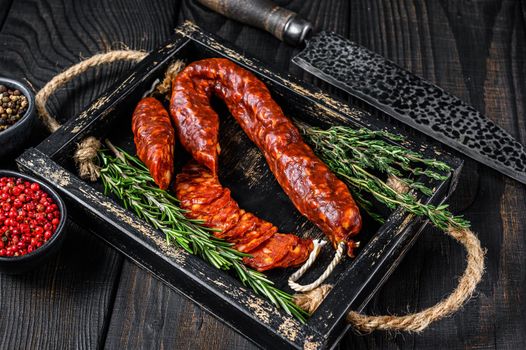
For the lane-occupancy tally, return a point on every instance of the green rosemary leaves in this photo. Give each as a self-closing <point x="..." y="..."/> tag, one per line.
<point x="358" y="155"/>
<point x="128" y="179"/>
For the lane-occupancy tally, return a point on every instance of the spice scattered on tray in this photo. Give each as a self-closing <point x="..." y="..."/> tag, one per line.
<point x="28" y="216"/>
<point x="13" y="105"/>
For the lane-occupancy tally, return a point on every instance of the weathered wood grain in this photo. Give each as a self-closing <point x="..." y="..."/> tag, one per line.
<point x="149" y="315"/>
<point x="450" y="44"/>
<point x="475" y="49"/>
<point x="5" y="6"/>
<point x="66" y="303"/>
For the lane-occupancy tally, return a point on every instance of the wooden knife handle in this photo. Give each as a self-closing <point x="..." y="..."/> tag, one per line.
<point x="284" y="24"/>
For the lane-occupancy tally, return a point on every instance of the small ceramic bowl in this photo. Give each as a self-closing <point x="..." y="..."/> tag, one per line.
<point x="13" y="138"/>
<point x="29" y="261"/>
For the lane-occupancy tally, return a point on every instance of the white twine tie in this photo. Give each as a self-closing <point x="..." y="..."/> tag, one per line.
<point x="312" y="257"/>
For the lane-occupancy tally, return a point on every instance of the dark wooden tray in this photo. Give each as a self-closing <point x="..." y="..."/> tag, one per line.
<point x="245" y="172"/>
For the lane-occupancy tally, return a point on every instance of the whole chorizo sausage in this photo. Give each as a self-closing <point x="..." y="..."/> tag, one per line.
<point x="154" y="138"/>
<point x="201" y="194"/>
<point x="315" y="191"/>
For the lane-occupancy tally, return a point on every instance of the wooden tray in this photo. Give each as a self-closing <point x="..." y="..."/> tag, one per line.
<point x="244" y="171"/>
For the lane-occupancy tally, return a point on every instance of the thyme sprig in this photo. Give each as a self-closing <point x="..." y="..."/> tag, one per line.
<point x="356" y="155"/>
<point x="128" y="179"/>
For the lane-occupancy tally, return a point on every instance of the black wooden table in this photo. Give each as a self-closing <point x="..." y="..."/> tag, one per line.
<point x="90" y="296"/>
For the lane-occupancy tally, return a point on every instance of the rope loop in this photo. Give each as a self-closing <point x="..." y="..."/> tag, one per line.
<point x="312" y="257"/>
<point x="418" y="321"/>
<point x="61" y="79"/>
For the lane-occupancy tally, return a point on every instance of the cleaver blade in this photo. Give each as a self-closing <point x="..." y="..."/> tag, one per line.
<point x="413" y="101"/>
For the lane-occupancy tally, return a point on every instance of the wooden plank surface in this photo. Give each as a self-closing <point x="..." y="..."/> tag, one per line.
<point x="68" y="301"/>
<point x="474" y="49"/>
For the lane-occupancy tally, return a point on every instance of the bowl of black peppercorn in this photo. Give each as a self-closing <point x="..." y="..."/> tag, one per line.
<point x="17" y="116"/>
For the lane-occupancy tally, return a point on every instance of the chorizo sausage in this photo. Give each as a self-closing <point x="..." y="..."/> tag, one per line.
<point x="154" y="138"/>
<point x="315" y="191"/>
<point x="203" y="197"/>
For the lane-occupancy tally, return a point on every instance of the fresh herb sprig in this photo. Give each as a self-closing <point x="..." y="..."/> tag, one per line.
<point x="355" y="154"/>
<point x="127" y="178"/>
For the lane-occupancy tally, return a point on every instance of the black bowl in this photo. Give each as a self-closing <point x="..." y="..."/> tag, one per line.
<point x="29" y="261"/>
<point x="13" y="138"/>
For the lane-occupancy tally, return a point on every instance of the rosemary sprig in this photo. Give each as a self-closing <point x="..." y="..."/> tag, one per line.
<point x="127" y="178"/>
<point x="354" y="154"/>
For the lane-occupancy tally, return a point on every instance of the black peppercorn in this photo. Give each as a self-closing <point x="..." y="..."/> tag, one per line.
<point x="13" y="105"/>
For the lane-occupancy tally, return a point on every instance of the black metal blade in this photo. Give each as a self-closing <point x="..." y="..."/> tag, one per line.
<point x="413" y="101"/>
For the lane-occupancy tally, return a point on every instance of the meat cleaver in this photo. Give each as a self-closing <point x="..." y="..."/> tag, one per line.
<point x="384" y="85"/>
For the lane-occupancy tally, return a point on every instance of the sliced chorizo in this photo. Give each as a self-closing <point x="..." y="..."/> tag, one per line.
<point x="281" y="250"/>
<point x="254" y="238"/>
<point x="249" y="234"/>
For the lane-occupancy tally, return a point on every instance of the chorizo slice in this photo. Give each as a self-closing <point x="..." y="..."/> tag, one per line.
<point x="297" y="254"/>
<point x="247" y="223"/>
<point x="314" y="190"/>
<point x="268" y="255"/>
<point x="227" y="217"/>
<point x="191" y="194"/>
<point x="248" y="233"/>
<point x="281" y="250"/>
<point x="154" y="138"/>
<point x="222" y="213"/>
<point x="252" y="239"/>
<point x="198" y="190"/>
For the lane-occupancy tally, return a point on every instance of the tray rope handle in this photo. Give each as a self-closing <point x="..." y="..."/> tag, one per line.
<point x="61" y="79"/>
<point x="415" y="322"/>
<point x="315" y="292"/>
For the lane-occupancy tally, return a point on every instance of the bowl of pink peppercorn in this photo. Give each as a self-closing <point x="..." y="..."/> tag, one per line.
<point x="32" y="220"/>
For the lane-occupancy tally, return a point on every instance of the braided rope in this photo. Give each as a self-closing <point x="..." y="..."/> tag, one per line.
<point x="417" y="322"/>
<point x="59" y="80"/>
<point x="84" y="158"/>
